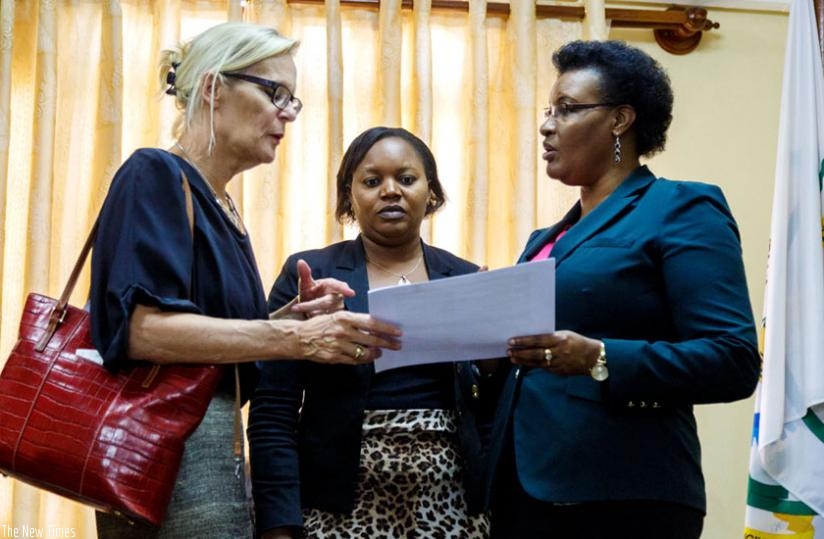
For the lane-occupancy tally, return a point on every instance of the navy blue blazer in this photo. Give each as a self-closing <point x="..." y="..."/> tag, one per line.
<point x="309" y="457"/>
<point x="655" y="272"/>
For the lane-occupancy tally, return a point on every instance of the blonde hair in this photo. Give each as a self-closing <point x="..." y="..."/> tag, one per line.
<point x="231" y="46"/>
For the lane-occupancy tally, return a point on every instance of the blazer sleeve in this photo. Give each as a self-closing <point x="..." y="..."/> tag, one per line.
<point x="714" y="355"/>
<point x="273" y="421"/>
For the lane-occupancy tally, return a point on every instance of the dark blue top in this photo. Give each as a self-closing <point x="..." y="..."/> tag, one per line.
<point x="420" y="387"/>
<point x="145" y="254"/>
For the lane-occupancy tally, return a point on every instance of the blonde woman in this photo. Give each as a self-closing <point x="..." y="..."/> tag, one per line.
<point x="166" y="294"/>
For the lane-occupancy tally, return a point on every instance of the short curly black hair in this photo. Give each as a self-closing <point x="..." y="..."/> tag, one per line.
<point x="357" y="151"/>
<point x="628" y="76"/>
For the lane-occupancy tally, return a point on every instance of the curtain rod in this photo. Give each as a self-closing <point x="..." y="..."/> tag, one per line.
<point x="677" y="30"/>
<point x="496" y="8"/>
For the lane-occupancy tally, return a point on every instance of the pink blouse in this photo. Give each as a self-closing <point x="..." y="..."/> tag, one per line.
<point x="547" y="249"/>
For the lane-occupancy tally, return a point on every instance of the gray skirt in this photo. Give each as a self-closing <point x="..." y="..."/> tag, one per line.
<point x="208" y="500"/>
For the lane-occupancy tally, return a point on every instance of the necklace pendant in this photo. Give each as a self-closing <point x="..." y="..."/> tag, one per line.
<point x="404" y="280"/>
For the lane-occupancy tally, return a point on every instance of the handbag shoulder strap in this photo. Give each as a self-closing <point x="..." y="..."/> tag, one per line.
<point x="190" y="209"/>
<point x="59" y="312"/>
<point x="237" y="448"/>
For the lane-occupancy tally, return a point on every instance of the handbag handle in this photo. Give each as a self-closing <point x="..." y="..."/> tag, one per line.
<point x="58" y="314"/>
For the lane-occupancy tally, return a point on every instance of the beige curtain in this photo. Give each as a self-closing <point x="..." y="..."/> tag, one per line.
<point x="78" y="94"/>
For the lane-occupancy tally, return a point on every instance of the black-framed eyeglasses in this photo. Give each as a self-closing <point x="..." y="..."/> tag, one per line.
<point x="281" y="96"/>
<point x="562" y="110"/>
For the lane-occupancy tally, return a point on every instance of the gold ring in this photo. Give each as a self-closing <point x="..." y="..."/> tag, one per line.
<point x="547" y="356"/>
<point x="359" y="352"/>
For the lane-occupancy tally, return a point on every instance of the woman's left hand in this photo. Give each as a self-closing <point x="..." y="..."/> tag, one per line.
<point x="563" y="352"/>
<point x="323" y="296"/>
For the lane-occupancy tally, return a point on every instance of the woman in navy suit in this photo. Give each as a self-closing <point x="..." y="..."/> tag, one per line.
<point x="345" y="452"/>
<point x="596" y="434"/>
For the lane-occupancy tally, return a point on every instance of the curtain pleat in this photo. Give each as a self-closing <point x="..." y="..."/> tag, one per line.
<point x="160" y="27"/>
<point x="106" y="145"/>
<point x="334" y="74"/>
<point x="38" y="257"/>
<point x="523" y="39"/>
<point x="421" y="98"/>
<point x="475" y="237"/>
<point x="37" y="262"/>
<point x="6" y="29"/>
<point x="235" y="10"/>
<point x="390" y="67"/>
<point x="596" y="22"/>
<point x="422" y="74"/>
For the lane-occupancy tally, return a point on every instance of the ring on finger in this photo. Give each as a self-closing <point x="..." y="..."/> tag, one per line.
<point x="547" y="356"/>
<point x="359" y="352"/>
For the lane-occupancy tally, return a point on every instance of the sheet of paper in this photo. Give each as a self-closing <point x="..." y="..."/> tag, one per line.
<point x="466" y="317"/>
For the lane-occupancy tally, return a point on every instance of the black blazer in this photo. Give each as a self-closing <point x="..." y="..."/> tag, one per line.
<point x="306" y="418"/>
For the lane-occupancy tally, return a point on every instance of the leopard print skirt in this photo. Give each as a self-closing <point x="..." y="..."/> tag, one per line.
<point x="409" y="483"/>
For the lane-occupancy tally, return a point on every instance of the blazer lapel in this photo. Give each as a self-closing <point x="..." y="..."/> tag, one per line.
<point x="607" y="212"/>
<point x="542" y="237"/>
<point x="437" y="266"/>
<point x="351" y="268"/>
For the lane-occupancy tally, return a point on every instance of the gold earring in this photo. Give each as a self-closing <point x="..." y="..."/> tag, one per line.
<point x="432" y="203"/>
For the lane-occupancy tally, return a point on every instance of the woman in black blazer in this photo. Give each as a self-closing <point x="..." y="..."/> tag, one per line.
<point x="345" y="452"/>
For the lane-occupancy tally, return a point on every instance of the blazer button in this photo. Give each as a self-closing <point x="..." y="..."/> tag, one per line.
<point x="476" y="391"/>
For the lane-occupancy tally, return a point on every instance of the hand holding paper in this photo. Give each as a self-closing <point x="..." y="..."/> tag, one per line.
<point x="466" y="317"/>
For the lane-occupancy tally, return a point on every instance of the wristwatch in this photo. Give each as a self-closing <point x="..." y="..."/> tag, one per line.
<point x="599" y="371"/>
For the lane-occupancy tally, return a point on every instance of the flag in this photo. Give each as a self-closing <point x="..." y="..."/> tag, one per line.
<point x="785" y="495"/>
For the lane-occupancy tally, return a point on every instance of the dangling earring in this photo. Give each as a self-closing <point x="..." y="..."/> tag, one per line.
<point x="617" y="153"/>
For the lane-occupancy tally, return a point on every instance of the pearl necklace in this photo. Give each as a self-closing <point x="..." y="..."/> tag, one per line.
<point x="226" y="203"/>
<point x="403" y="276"/>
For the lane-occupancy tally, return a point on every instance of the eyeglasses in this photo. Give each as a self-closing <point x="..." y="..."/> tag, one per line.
<point x="281" y="96"/>
<point x="562" y="110"/>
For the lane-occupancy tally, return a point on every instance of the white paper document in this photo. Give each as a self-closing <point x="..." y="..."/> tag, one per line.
<point x="466" y="317"/>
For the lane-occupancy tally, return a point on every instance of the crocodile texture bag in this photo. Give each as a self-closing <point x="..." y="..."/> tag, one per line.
<point x="69" y="426"/>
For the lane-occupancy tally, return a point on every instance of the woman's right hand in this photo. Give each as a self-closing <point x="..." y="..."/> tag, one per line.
<point x="563" y="352"/>
<point x="322" y="296"/>
<point x="346" y="337"/>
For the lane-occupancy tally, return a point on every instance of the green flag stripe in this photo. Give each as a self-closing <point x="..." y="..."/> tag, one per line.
<point x="820" y="175"/>
<point x="814" y="424"/>
<point x="767" y="491"/>
<point x="773" y="498"/>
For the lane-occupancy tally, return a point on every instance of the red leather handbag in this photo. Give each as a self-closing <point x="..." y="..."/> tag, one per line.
<point x="67" y="425"/>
